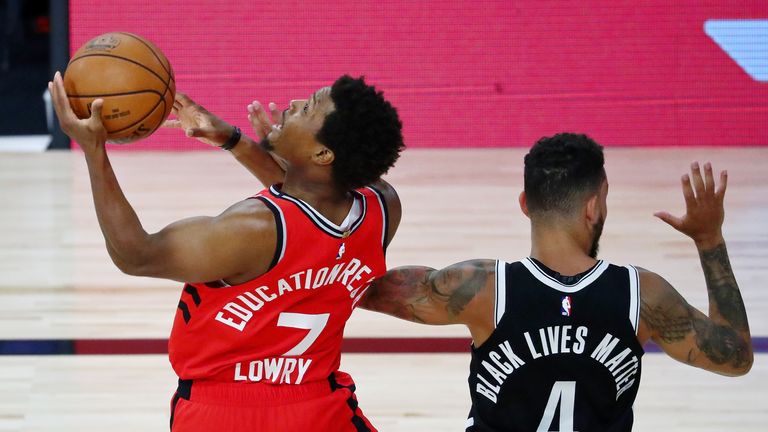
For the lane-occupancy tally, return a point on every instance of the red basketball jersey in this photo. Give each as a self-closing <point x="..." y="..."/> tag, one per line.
<point x="285" y="326"/>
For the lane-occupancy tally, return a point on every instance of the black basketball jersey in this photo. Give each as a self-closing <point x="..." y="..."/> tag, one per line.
<point x="564" y="355"/>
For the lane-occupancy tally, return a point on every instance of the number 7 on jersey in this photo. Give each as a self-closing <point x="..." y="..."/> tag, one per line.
<point x="315" y="323"/>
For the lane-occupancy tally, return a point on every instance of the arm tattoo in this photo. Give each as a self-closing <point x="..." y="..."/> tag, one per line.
<point x="673" y="322"/>
<point x="721" y="344"/>
<point x="457" y="286"/>
<point x="396" y="292"/>
<point x="724" y="296"/>
<point x="426" y="295"/>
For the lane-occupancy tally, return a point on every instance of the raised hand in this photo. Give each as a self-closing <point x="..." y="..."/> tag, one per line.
<point x="260" y="121"/>
<point x="198" y="122"/>
<point x="89" y="133"/>
<point x="704" y="212"/>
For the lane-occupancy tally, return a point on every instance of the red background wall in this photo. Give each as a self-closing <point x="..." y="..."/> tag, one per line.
<point x="463" y="73"/>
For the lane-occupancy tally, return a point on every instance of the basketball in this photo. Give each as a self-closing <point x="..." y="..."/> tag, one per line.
<point x="133" y="77"/>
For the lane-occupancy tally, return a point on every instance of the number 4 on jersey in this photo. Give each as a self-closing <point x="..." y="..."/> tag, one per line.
<point x="563" y="394"/>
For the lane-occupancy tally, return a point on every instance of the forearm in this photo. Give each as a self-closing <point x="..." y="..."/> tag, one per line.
<point x="726" y="338"/>
<point x="725" y="303"/>
<point x="258" y="161"/>
<point x="125" y="238"/>
<point x="429" y="296"/>
<point x="397" y="292"/>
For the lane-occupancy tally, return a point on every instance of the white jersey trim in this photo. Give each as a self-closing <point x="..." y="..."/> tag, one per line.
<point x="634" y="296"/>
<point x="470" y="422"/>
<point x="383" y="207"/>
<point x="321" y="221"/>
<point x="501" y="291"/>
<point x="556" y="284"/>
<point x="284" y="226"/>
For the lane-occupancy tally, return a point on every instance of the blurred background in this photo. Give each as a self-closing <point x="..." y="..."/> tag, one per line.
<point x="25" y="43"/>
<point x="650" y="73"/>
<point x="659" y="83"/>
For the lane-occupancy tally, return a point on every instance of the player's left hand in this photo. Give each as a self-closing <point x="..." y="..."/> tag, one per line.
<point x="89" y="133"/>
<point x="704" y="211"/>
<point x="260" y="121"/>
<point x="198" y="122"/>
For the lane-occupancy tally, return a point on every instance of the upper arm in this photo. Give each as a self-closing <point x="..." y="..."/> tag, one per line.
<point x="239" y="242"/>
<point x="394" y="208"/>
<point x="685" y="333"/>
<point x="462" y="293"/>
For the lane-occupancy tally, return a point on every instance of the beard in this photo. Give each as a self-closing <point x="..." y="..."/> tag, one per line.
<point x="597" y="232"/>
<point x="266" y="145"/>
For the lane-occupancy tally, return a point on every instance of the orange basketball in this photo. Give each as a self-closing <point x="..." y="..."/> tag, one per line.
<point x="133" y="77"/>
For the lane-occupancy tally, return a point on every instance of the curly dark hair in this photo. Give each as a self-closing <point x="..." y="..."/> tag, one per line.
<point x="364" y="132"/>
<point x="561" y="171"/>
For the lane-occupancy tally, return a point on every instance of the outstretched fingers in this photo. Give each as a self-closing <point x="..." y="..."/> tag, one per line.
<point x="277" y="115"/>
<point x="720" y="193"/>
<point x="698" y="182"/>
<point x="690" y="197"/>
<point x="259" y="120"/>
<point x="172" y="123"/>
<point x="673" y="221"/>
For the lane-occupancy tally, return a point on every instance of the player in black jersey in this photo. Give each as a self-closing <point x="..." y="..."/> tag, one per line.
<point x="554" y="352"/>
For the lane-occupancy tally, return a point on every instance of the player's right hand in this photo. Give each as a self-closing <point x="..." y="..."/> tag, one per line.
<point x="198" y="122"/>
<point x="704" y="212"/>
<point x="89" y="133"/>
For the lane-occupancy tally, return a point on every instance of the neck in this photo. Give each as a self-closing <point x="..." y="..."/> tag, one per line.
<point x="561" y="247"/>
<point x="322" y="194"/>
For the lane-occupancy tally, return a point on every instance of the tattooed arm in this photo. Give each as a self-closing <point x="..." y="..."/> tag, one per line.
<point x="719" y="342"/>
<point x="462" y="293"/>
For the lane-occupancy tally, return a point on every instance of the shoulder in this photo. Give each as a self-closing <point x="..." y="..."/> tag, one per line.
<point x="247" y="218"/>
<point x="652" y="285"/>
<point x="388" y="194"/>
<point x="249" y="229"/>
<point x="392" y="204"/>
<point x="659" y="303"/>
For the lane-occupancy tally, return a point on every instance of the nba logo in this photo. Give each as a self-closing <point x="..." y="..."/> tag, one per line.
<point x="342" y="249"/>
<point x="565" y="306"/>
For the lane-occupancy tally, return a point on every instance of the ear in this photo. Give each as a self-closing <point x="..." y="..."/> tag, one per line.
<point x="592" y="210"/>
<point x="523" y="203"/>
<point x="323" y="156"/>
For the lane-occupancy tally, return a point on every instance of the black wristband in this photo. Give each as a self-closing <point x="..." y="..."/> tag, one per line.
<point x="233" y="139"/>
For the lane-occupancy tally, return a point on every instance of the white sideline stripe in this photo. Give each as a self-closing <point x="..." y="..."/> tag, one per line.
<point x="24" y="143"/>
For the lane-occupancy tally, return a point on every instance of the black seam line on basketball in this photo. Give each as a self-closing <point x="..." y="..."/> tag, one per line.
<point x="143" y="42"/>
<point x="126" y="59"/>
<point x="151" y="110"/>
<point x="116" y="94"/>
<point x="168" y="70"/>
<point x="161" y="98"/>
<point x="160" y="123"/>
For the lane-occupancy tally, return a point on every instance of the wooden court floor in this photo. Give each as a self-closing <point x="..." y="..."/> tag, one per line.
<point x="56" y="282"/>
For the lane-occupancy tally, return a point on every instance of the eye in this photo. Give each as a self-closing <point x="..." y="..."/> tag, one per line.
<point x="306" y="107"/>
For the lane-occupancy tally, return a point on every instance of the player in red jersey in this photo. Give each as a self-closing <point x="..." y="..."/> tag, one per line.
<point x="271" y="281"/>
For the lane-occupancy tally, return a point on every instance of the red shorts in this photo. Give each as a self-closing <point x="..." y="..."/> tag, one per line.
<point x="328" y="405"/>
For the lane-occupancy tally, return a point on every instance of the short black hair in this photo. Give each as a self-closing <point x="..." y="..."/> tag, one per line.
<point x="560" y="171"/>
<point x="364" y="132"/>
